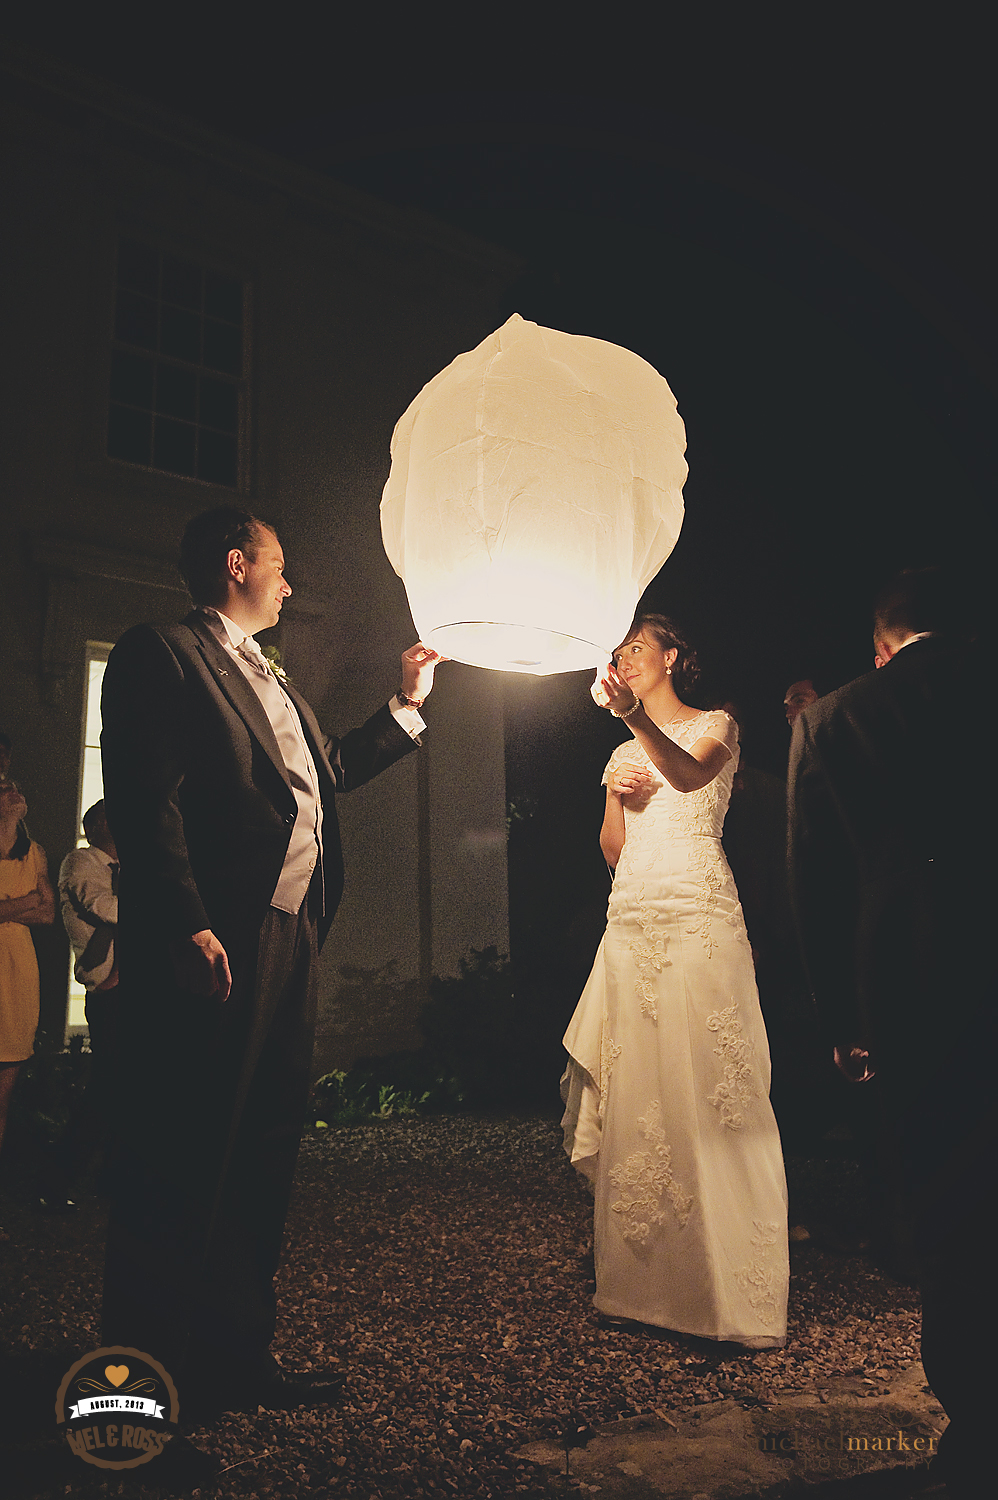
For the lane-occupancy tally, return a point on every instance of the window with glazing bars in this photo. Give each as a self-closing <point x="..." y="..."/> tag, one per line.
<point x="177" y="371"/>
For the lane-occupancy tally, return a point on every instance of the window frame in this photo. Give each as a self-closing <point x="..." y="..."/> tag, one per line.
<point x="241" y="383"/>
<point x="94" y="651"/>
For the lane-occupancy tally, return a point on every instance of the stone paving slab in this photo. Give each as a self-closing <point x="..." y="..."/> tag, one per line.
<point x="728" y="1451"/>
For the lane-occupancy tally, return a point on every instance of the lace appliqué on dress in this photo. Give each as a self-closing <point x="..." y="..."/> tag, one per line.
<point x="735" y="1092"/>
<point x="649" y="956"/>
<point x="643" y="1178"/>
<point x="760" y="1280"/>
<point x="609" y="1051"/>
<point x="704" y="859"/>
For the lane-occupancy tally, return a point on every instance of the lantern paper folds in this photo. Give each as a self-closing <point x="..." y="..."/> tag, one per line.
<point x="535" y="490"/>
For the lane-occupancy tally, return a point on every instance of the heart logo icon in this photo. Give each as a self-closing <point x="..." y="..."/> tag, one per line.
<point x="117" y="1374"/>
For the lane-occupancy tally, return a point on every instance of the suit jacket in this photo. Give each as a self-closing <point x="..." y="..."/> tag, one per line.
<point x="197" y="795"/>
<point x="890" y="806"/>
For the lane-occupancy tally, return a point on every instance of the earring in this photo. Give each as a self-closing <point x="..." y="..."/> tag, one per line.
<point x="668" y="671"/>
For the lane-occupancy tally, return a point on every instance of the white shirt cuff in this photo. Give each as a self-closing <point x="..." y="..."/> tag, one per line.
<point x="407" y="719"/>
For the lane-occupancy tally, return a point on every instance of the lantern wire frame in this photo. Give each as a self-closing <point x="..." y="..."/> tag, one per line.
<point x="502" y="645"/>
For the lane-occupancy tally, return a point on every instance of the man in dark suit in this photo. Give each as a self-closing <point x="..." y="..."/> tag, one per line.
<point x="219" y="789"/>
<point x="891" y="811"/>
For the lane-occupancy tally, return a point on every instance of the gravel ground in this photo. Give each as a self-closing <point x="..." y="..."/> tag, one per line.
<point x="445" y="1264"/>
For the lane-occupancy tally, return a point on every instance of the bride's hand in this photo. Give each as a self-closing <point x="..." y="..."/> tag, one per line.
<point x="609" y="692"/>
<point x="631" y="781"/>
<point x="598" y="695"/>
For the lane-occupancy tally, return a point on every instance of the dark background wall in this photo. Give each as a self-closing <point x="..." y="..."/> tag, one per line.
<point x="352" y="306"/>
<point x="788" y="214"/>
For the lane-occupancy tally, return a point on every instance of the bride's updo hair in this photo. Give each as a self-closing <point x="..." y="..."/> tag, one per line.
<point x="686" y="668"/>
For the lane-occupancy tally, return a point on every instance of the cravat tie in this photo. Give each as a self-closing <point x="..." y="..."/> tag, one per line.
<point x="250" y="651"/>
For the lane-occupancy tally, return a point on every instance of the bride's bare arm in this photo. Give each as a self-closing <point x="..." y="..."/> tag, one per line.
<point x="611" y="838"/>
<point x="686" y="770"/>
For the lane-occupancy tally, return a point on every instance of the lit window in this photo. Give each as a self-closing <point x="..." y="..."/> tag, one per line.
<point x="177" y="366"/>
<point x="91" y="790"/>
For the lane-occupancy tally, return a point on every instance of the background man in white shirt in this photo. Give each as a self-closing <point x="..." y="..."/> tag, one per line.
<point x="89" y="897"/>
<point x="88" y="891"/>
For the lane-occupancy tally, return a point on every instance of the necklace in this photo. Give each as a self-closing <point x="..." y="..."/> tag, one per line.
<point x="680" y="719"/>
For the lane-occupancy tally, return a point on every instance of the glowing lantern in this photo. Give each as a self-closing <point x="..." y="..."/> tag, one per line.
<point x="535" y="490"/>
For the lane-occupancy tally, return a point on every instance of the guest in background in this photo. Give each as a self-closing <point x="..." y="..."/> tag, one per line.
<point x="799" y="695"/>
<point x="88" y="891"/>
<point x="890" y="836"/>
<point x="89" y="899"/>
<point x="26" y="900"/>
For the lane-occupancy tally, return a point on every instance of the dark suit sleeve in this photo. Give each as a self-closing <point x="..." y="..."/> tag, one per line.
<point x="365" y="752"/>
<point x="143" y="742"/>
<point x="823" y="888"/>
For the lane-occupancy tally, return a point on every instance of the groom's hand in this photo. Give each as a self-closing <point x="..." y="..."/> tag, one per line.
<point x="202" y="965"/>
<point x="418" y="666"/>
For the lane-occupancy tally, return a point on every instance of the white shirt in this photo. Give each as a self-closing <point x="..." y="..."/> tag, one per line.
<point x="922" y="635"/>
<point x="89" y="912"/>
<point x="305" y="846"/>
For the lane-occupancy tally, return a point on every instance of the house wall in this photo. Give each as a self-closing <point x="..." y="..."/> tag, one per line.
<point x="353" y="306"/>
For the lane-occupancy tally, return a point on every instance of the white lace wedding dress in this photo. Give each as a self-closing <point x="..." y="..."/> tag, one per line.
<point x="667" y="1087"/>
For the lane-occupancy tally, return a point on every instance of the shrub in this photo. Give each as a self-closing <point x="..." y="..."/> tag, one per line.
<point x="497" y="1031"/>
<point x="491" y="1040"/>
<point x="340" y="1098"/>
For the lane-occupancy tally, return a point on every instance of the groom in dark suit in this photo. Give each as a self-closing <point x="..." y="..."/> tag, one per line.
<point x="891" y="813"/>
<point x="219" y="788"/>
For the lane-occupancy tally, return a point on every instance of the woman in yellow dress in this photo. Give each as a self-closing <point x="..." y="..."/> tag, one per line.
<point x="26" y="900"/>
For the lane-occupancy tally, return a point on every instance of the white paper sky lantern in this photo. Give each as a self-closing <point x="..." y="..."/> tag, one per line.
<point x="535" y="490"/>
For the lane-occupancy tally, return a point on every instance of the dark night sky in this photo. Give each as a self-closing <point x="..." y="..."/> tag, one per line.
<point x="791" y="220"/>
<point x="793" y="225"/>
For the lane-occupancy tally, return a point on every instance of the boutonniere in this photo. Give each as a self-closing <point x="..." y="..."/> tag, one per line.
<point x="273" y="655"/>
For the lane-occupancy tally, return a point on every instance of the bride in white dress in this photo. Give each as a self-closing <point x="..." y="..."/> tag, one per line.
<point x="667" y="1086"/>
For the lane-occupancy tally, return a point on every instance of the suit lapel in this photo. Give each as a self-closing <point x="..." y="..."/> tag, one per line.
<point x="237" y="690"/>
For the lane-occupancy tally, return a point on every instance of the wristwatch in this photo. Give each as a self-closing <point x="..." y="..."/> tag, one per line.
<point x="406" y="702"/>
